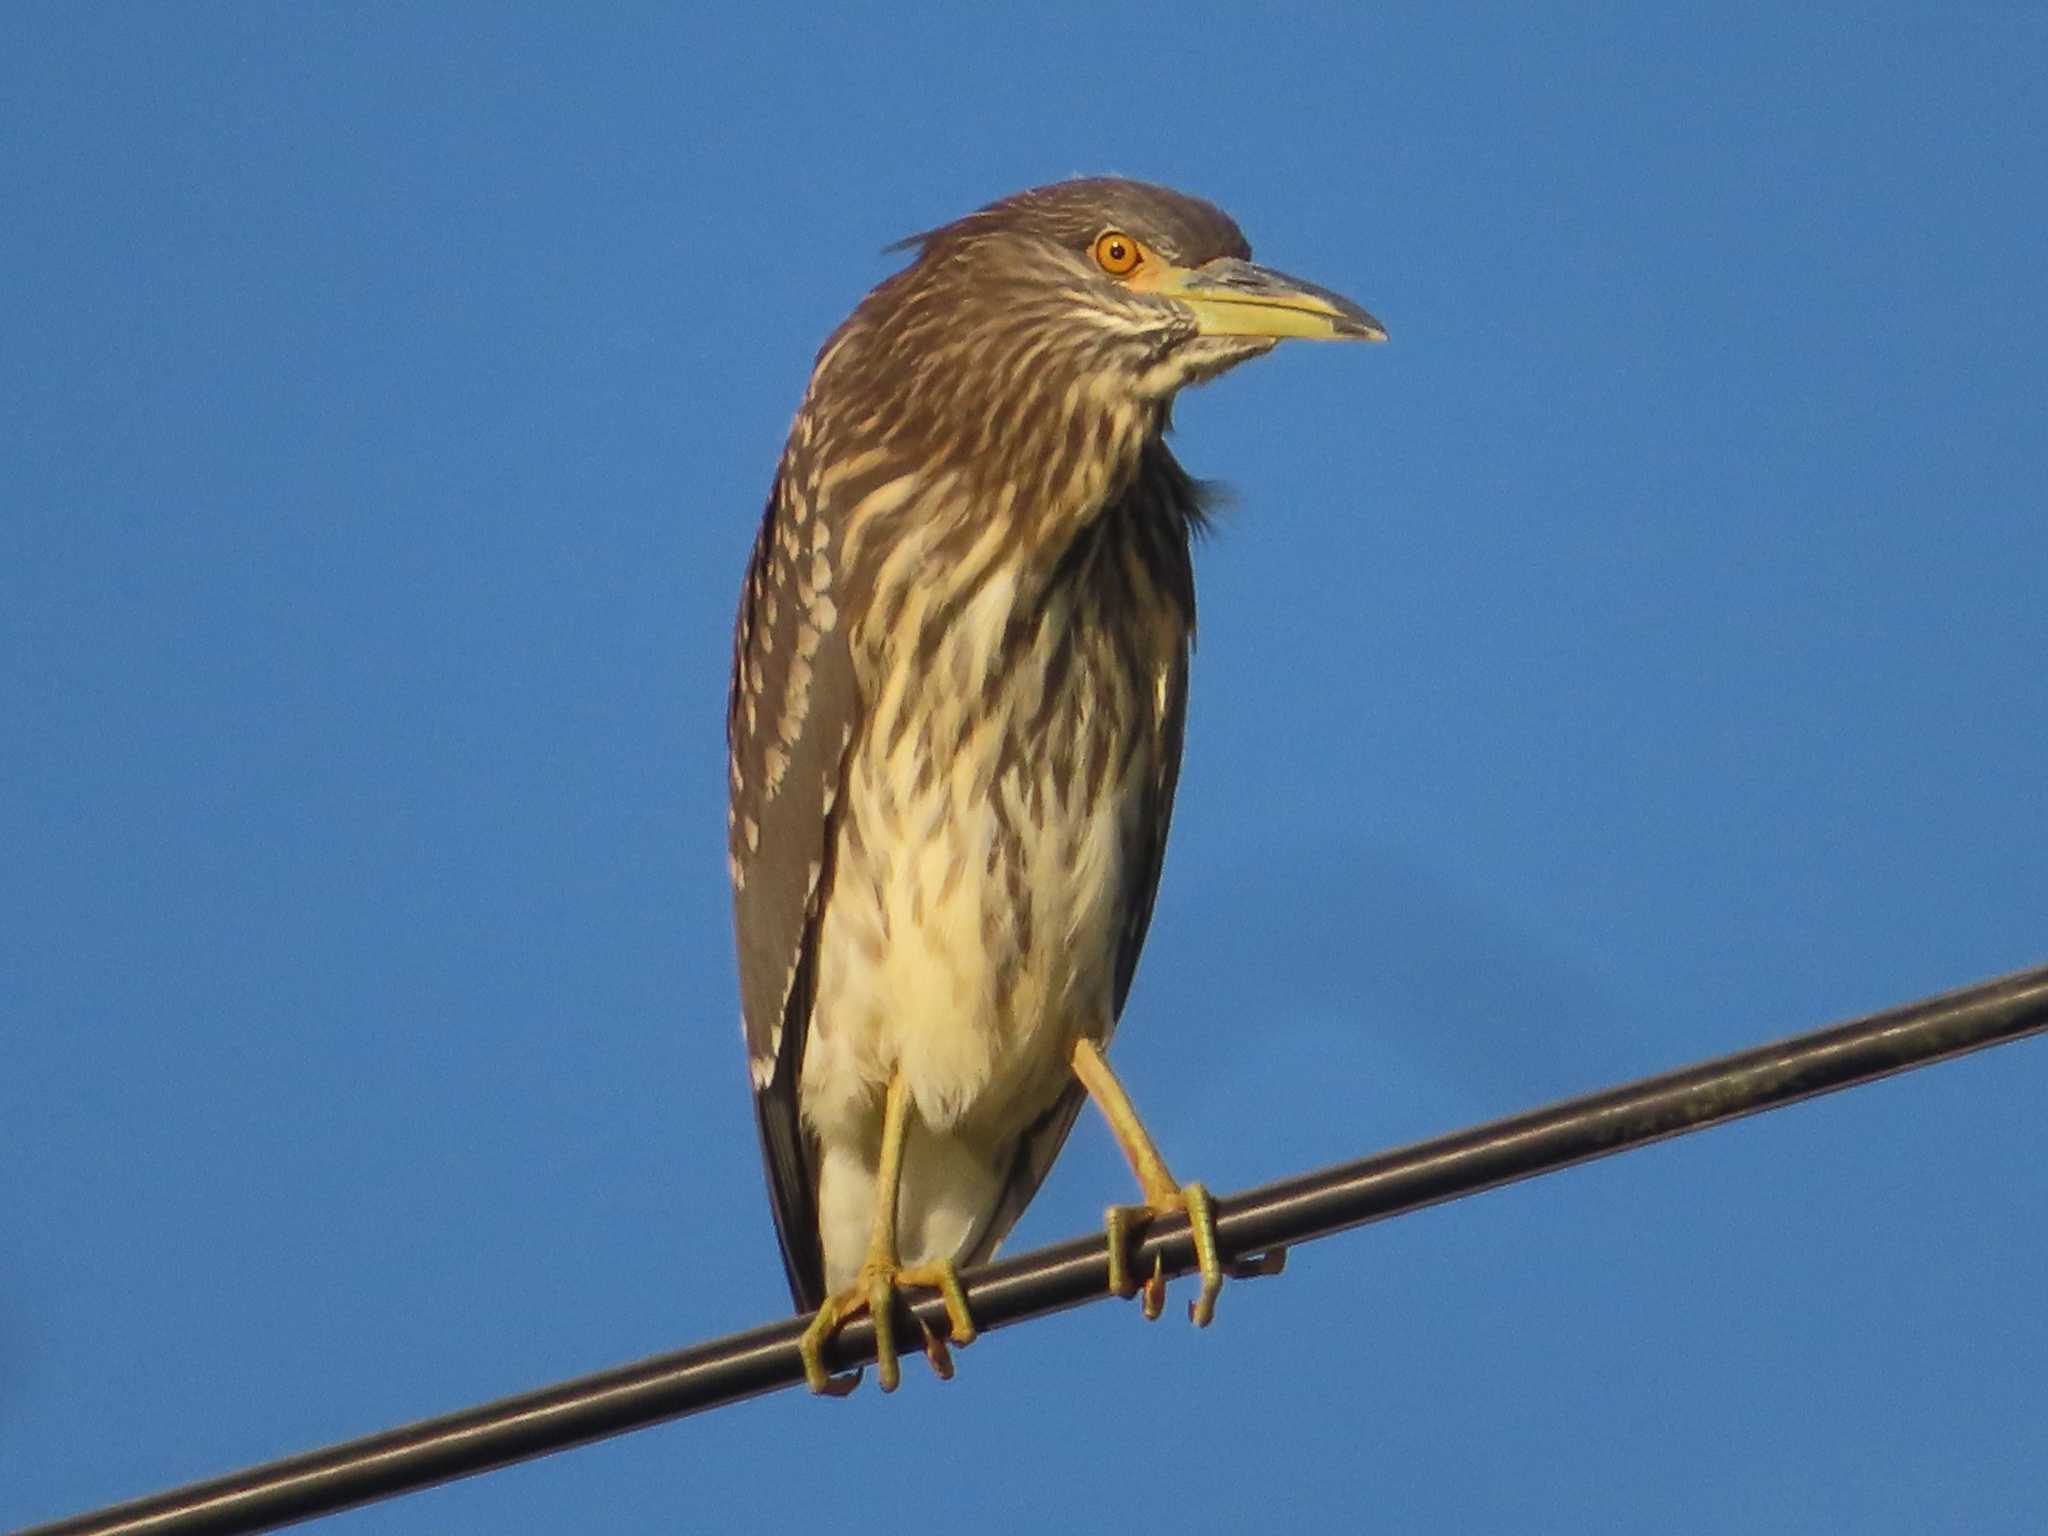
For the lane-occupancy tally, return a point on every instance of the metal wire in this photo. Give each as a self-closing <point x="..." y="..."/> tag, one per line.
<point x="1292" y="1211"/>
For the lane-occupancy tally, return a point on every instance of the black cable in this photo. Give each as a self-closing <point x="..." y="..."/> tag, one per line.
<point x="1292" y="1211"/>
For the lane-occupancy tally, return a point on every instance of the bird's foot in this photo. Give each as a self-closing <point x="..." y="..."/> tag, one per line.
<point x="874" y="1291"/>
<point x="1120" y="1222"/>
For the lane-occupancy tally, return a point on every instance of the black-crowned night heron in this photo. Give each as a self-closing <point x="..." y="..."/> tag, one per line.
<point x="958" y="690"/>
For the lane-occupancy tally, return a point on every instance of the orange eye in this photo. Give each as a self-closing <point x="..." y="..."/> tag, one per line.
<point x="1117" y="253"/>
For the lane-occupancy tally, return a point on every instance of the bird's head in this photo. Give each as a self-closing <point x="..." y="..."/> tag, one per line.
<point x="1065" y="311"/>
<point x="1145" y="288"/>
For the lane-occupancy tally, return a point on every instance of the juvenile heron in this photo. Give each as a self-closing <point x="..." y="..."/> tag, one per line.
<point x="959" y="683"/>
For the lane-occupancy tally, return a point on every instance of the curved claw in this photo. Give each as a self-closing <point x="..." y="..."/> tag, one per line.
<point x="936" y="1352"/>
<point x="1152" y="1295"/>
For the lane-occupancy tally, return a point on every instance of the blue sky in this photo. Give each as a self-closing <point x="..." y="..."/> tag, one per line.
<point x="1640" y="656"/>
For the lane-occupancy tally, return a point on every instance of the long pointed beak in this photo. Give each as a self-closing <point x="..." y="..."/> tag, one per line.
<point x="1237" y="298"/>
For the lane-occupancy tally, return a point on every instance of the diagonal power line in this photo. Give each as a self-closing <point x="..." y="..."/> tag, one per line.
<point x="1295" y="1210"/>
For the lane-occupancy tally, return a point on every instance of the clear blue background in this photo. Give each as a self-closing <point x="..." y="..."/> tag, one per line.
<point x="1640" y="656"/>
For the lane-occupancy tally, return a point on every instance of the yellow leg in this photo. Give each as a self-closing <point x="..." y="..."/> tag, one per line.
<point x="882" y="1274"/>
<point x="1162" y="1194"/>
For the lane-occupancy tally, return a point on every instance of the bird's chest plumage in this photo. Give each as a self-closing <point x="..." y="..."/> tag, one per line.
<point x="989" y="844"/>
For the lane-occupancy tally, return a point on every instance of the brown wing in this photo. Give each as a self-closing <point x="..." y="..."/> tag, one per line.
<point x="790" y="717"/>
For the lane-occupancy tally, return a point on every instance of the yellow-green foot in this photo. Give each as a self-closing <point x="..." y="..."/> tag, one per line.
<point x="1201" y="1213"/>
<point x="874" y="1291"/>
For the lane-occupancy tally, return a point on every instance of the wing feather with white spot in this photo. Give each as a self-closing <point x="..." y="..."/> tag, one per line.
<point x="790" y="717"/>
